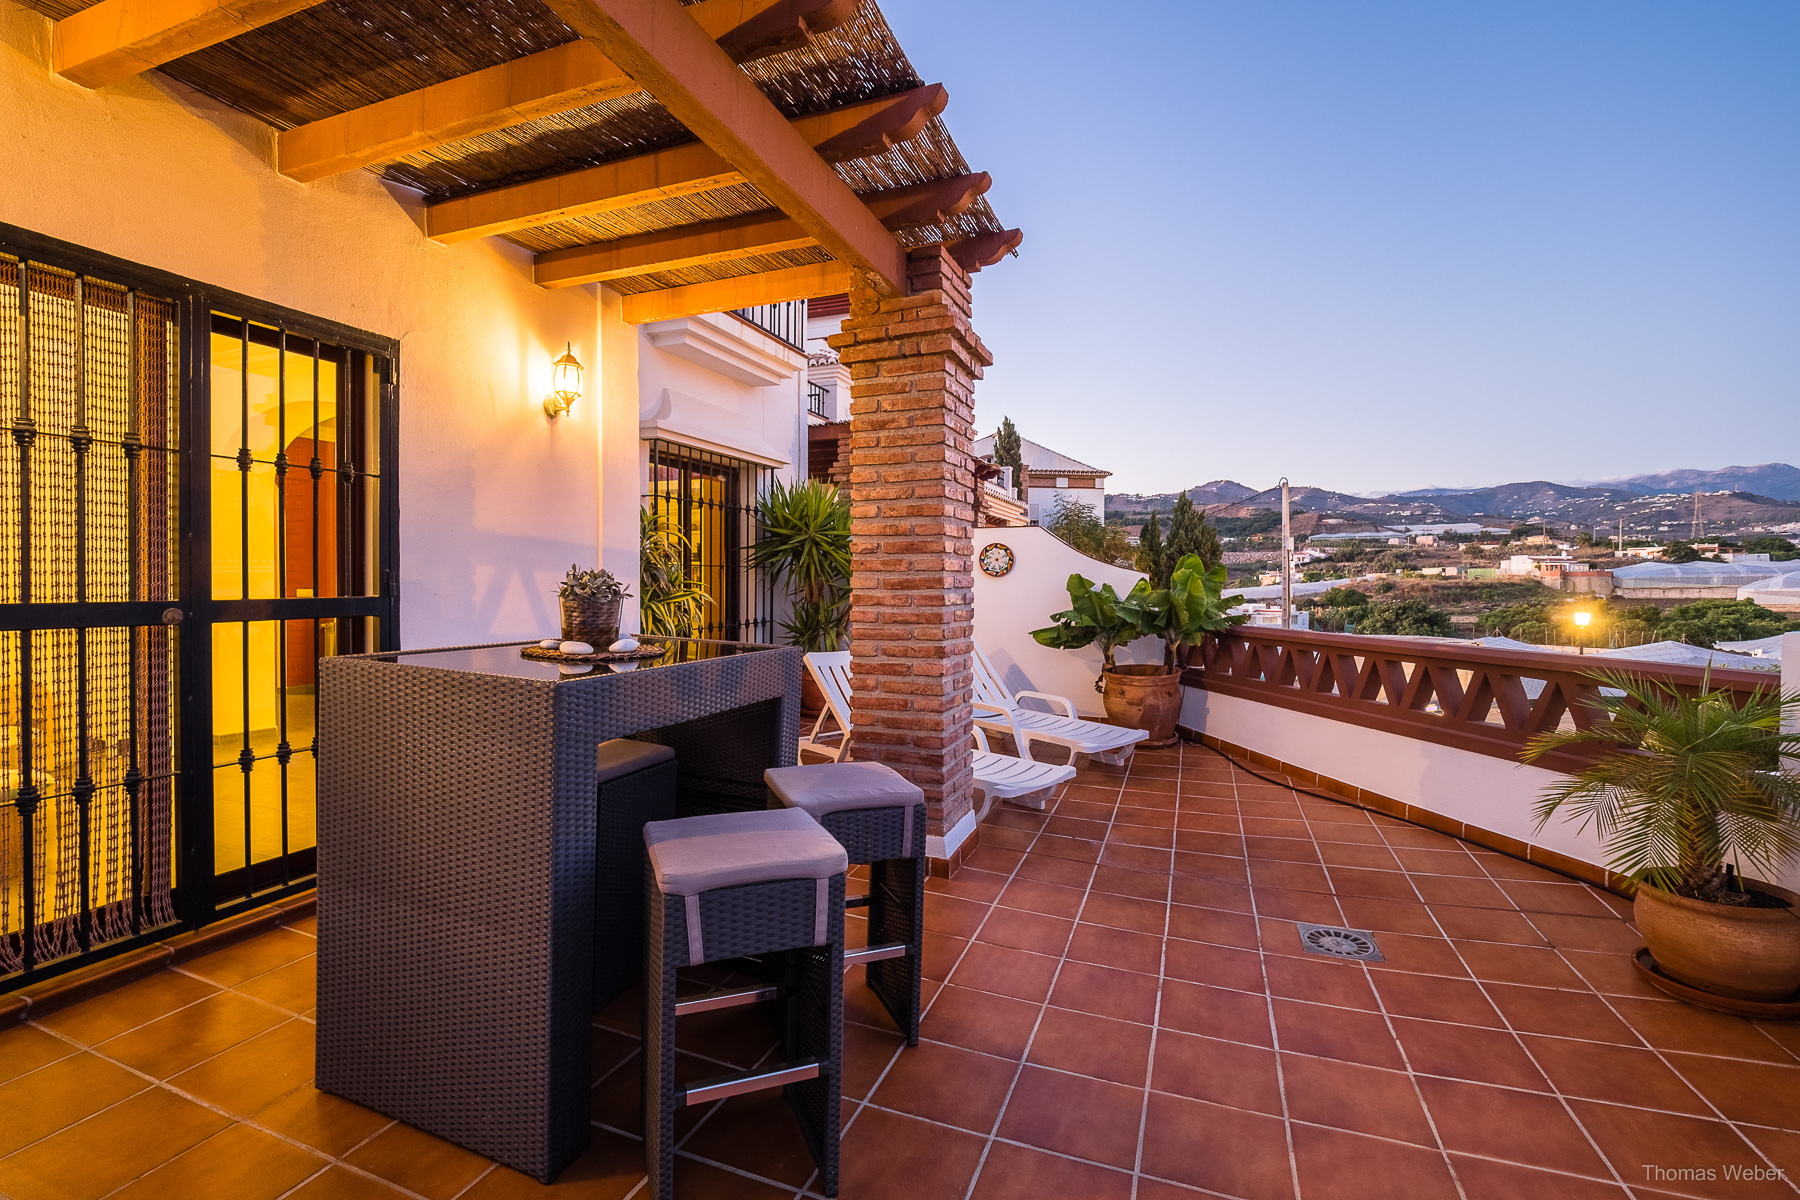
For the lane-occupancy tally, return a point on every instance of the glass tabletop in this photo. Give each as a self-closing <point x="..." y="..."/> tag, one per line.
<point x="506" y="660"/>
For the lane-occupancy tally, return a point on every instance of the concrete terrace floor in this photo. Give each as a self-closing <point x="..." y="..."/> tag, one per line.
<point x="1118" y="1008"/>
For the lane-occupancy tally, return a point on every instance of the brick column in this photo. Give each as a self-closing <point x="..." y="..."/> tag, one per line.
<point x="913" y="365"/>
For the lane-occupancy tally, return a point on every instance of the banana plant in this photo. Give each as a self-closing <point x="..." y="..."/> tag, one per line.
<point x="1094" y="618"/>
<point x="1182" y="614"/>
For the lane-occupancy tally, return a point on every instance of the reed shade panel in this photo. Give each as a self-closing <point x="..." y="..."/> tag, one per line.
<point x="89" y="494"/>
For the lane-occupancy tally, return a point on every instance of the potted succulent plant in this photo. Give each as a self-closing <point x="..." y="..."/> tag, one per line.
<point x="1689" y="792"/>
<point x="590" y="606"/>
<point x="1146" y="697"/>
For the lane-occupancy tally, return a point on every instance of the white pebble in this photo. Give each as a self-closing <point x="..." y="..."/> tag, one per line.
<point x="549" y="644"/>
<point x="576" y="648"/>
<point x="624" y="645"/>
<point x="624" y="666"/>
<point x="574" y="668"/>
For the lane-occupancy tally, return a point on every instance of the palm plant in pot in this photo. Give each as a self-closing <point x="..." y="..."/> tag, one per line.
<point x="1690" y="793"/>
<point x="804" y="542"/>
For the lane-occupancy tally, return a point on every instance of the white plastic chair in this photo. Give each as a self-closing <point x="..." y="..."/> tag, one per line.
<point x="1108" y="743"/>
<point x="830" y="669"/>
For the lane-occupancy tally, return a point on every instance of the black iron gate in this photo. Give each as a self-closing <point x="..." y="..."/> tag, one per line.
<point x="113" y="600"/>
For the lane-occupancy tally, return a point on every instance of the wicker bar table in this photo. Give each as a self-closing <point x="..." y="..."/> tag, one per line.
<point x="456" y="868"/>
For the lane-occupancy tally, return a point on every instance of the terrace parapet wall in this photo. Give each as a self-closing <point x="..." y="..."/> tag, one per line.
<point x="913" y="364"/>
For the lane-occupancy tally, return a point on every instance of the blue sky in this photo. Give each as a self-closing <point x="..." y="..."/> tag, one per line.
<point x="1375" y="245"/>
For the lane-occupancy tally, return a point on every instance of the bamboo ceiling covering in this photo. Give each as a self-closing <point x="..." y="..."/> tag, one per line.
<point x="342" y="55"/>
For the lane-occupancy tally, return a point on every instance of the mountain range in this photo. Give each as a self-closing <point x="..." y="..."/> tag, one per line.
<point x="1732" y="498"/>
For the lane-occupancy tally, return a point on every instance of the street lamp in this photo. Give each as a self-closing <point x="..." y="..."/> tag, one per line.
<point x="1581" y="617"/>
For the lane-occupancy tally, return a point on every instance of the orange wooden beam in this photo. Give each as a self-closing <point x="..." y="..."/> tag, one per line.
<point x="116" y="39"/>
<point x="659" y="44"/>
<point x="552" y="81"/>
<point x="743" y="237"/>
<point x="841" y="135"/>
<point x="745" y="291"/>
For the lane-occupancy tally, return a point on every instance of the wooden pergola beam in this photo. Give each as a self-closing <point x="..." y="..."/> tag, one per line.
<point x="744" y="237"/>
<point x="552" y="81"/>
<point x="745" y="291"/>
<point x="116" y="39"/>
<point x="659" y="44"/>
<point x="841" y="135"/>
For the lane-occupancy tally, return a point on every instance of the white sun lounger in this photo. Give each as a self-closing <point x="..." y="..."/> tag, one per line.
<point x="1108" y="743"/>
<point x="997" y="776"/>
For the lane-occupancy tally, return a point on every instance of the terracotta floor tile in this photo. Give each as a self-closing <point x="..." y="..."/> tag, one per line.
<point x="1228" y="1073"/>
<point x="1098" y="1047"/>
<point x="1126" y="912"/>
<point x="1210" y="893"/>
<point x="1785" y="1032"/>
<point x="1420" y="955"/>
<point x="1617" y="1074"/>
<point x="1281" y="849"/>
<point x="1106" y="992"/>
<point x="1216" y="1012"/>
<point x="1152" y="812"/>
<point x="1291" y="828"/>
<point x="1575" y="899"/>
<point x="1081" y="850"/>
<point x="1486" y="925"/>
<point x="1344" y="1095"/>
<point x="942" y="953"/>
<point x="1320" y="980"/>
<point x="1220" y="966"/>
<point x="124" y="1008"/>
<point x="1532" y="965"/>
<point x="1780" y="1146"/>
<point x="1460" y="1052"/>
<point x="1118" y="948"/>
<point x="251" y="957"/>
<point x="1374" y="885"/>
<point x="1070" y="1114"/>
<point x="1060" y="872"/>
<point x="1078" y="827"/>
<point x="1293" y="877"/>
<point x="1213" y="925"/>
<point x="109" y="1149"/>
<point x="1144" y="885"/>
<point x="1016" y="1173"/>
<point x="980" y="1021"/>
<point x="1611" y="974"/>
<point x="970" y="884"/>
<point x="1317" y="908"/>
<point x="254" y="1074"/>
<point x="1225" y="1150"/>
<point x="1388" y="916"/>
<point x="1399" y="833"/>
<point x="1350" y="835"/>
<point x="1435" y="998"/>
<point x="994" y="858"/>
<point x="57" y="1095"/>
<point x="696" y="1180"/>
<point x="1485" y="1179"/>
<point x="867" y="1054"/>
<point x="1520" y="1127"/>
<point x="327" y="1123"/>
<point x="1352" y="854"/>
<point x="1034" y="895"/>
<point x="340" y="1184"/>
<point x="1146" y="836"/>
<point x="952" y="915"/>
<point x="1751" y="1092"/>
<point x="1023" y="930"/>
<point x="1086" y="810"/>
<point x="1341" y="1033"/>
<point x="1346" y="1166"/>
<point x="419" y="1162"/>
<point x="1135" y="858"/>
<point x="23" y="1048"/>
<point x="1563" y="1014"/>
<point x="1211" y="866"/>
<point x="1006" y="972"/>
<point x="189" y="1035"/>
<point x="949" y="1085"/>
<point x="755" y="1132"/>
<point x="1605" y="934"/>
<point x="1004" y="838"/>
<point x="1457" y="861"/>
<point x="238" y="1163"/>
<point x="1634" y="1137"/>
<point x="1672" y="1025"/>
<point x="293" y="987"/>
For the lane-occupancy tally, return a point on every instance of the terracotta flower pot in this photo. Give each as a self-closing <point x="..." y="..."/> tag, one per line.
<point x="1745" y="953"/>
<point x="812" y="697"/>
<point x="595" y="622"/>
<point x="1147" y="698"/>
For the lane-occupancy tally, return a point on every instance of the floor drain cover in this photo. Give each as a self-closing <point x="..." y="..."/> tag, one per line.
<point x="1333" y="942"/>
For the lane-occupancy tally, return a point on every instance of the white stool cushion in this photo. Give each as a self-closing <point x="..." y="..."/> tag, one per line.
<point x="821" y="788"/>
<point x="697" y="854"/>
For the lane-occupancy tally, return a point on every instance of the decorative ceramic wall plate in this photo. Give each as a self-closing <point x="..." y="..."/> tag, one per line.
<point x="995" y="559"/>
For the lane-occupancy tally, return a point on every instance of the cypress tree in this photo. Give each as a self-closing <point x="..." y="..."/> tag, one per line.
<point x="1009" y="453"/>
<point x="1150" y="553"/>
<point x="1190" y="534"/>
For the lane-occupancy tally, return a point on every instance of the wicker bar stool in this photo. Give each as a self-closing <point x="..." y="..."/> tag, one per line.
<point x="730" y="885"/>
<point x="879" y="817"/>
<point x="636" y="786"/>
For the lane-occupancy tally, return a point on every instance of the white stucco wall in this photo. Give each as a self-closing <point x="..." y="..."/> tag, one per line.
<point x="496" y="500"/>
<point x="1009" y="608"/>
<point x="1477" y="789"/>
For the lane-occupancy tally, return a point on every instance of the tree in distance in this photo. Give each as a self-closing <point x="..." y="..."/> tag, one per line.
<point x="1009" y="453"/>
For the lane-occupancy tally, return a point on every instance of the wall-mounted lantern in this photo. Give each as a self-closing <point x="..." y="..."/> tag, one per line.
<point x="565" y="383"/>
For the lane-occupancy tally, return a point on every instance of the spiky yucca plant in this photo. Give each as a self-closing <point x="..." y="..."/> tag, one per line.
<point x="805" y="541"/>
<point x="1685" y="785"/>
